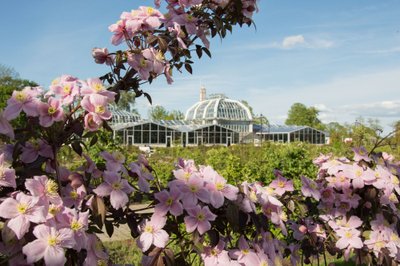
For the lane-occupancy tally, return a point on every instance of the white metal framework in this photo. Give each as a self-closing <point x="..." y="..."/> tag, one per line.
<point x="220" y="110"/>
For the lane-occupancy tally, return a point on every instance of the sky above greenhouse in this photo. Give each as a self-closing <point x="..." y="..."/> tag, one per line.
<point x="343" y="57"/>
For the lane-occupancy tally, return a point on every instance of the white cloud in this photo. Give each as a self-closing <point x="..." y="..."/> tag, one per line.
<point x="384" y="51"/>
<point x="295" y="41"/>
<point x="291" y="41"/>
<point x="342" y="99"/>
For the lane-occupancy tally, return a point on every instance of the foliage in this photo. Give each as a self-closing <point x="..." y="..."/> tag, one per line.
<point x="159" y="112"/>
<point x="301" y="115"/>
<point x="53" y="207"/>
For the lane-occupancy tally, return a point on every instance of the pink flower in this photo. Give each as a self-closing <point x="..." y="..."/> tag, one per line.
<point x="194" y="190"/>
<point x="73" y="197"/>
<point x="218" y="188"/>
<point x="24" y="100"/>
<point x="5" y="126"/>
<point x="114" y="160"/>
<point x="96" y="104"/>
<point x="361" y="154"/>
<point x="199" y="218"/>
<point x="44" y="188"/>
<point x="118" y="189"/>
<point x="152" y="233"/>
<point x="32" y="150"/>
<point x="94" y="86"/>
<point x="349" y="238"/>
<point x="21" y="211"/>
<point x="101" y="56"/>
<point x="168" y="201"/>
<point x="281" y="185"/>
<point x="50" y="244"/>
<point x="50" y="112"/>
<point x="78" y="223"/>
<point x="142" y="175"/>
<point x="7" y="175"/>
<point x="96" y="254"/>
<point x="310" y="188"/>
<point x="244" y="255"/>
<point x="66" y="88"/>
<point x="119" y="31"/>
<point x="91" y="123"/>
<point x="141" y="65"/>
<point x="216" y="255"/>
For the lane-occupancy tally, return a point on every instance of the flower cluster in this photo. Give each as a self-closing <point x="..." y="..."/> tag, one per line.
<point x="157" y="42"/>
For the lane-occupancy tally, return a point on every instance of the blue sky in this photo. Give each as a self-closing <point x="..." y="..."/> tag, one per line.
<point x="342" y="57"/>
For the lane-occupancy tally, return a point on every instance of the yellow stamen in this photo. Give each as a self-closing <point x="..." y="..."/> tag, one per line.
<point x="99" y="109"/>
<point x="20" y="96"/>
<point x="75" y="225"/>
<point x="219" y="186"/>
<point x="51" y="110"/>
<point x="149" y="229"/>
<point x="51" y="187"/>
<point x="22" y="208"/>
<point x="52" y="241"/>
<point x="200" y="217"/>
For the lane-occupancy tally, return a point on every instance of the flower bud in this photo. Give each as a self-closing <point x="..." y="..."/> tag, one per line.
<point x="76" y="180"/>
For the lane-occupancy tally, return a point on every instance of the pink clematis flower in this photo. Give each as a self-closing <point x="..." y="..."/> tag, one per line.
<point x="32" y="150"/>
<point x="114" y="160"/>
<point x="50" y="244"/>
<point x="199" y="218"/>
<point x="281" y="185"/>
<point x="142" y="174"/>
<point x="24" y="100"/>
<point x="5" y="126"/>
<point x="361" y="154"/>
<point x="141" y="64"/>
<point x="94" y="86"/>
<point x="66" y="87"/>
<point x="244" y="255"/>
<point x="216" y="255"/>
<point x="78" y="223"/>
<point x="96" y="254"/>
<point x="101" y="56"/>
<point x="96" y="105"/>
<point x="7" y="175"/>
<point x="73" y="196"/>
<point x="118" y="189"/>
<point x="349" y="238"/>
<point x="310" y="188"/>
<point x="21" y="211"/>
<point x="50" y="112"/>
<point x="194" y="190"/>
<point x="152" y="233"/>
<point x="218" y="188"/>
<point x="44" y="188"/>
<point x="168" y="202"/>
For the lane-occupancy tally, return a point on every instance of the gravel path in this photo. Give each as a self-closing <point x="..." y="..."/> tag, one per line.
<point x="123" y="232"/>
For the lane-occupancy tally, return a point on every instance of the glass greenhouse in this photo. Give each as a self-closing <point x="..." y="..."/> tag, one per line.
<point x="168" y="133"/>
<point x="219" y="110"/>
<point x="279" y="133"/>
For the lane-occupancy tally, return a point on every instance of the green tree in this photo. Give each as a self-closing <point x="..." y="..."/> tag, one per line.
<point x="176" y="115"/>
<point x="365" y="133"/>
<point x="158" y="112"/>
<point x="10" y="81"/>
<point x="127" y="101"/>
<point x="301" y="115"/>
<point x="248" y="106"/>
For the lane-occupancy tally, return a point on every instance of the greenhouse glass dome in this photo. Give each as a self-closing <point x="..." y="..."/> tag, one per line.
<point x="220" y="110"/>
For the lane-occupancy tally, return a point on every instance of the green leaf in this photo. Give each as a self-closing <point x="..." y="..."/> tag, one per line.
<point x="207" y="51"/>
<point x="76" y="146"/>
<point x="109" y="228"/>
<point x="199" y="51"/>
<point x="93" y="141"/>
<point x="188" y="68"/>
